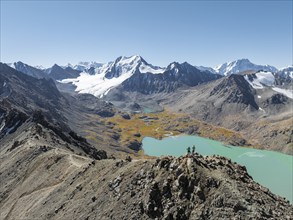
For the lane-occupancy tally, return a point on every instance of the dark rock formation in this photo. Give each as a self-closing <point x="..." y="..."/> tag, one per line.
<point x="276" y="99"/>
<point x="126" y="116"/>
<point x="134" y="145"/>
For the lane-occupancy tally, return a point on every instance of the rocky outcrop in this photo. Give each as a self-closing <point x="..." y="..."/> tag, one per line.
<point x="126" y="116"/>
<point x="10" y="121"/>
<point x="276" y="99"/>
<point x="196" y="187"/>
<point x="134" y="145"/>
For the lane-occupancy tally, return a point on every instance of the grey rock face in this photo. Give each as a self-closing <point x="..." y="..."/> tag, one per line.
<point x="58" y="73"/>
<point x="29" y="70"/>
<point x="235" y="89"/>
<point x="176" y="75"/>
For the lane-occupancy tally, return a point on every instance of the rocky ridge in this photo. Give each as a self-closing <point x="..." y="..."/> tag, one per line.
<point x="77" y="187"/>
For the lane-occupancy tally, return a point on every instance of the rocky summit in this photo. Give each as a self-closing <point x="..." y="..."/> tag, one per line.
<point x="41" y="180"/>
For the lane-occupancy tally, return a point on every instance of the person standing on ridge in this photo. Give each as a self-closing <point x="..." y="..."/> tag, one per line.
<point x="188" y="150"/>
<point x="193" y="149"/>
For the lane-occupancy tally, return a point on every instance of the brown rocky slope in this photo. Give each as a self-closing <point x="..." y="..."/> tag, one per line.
<point x="41" y="178"/>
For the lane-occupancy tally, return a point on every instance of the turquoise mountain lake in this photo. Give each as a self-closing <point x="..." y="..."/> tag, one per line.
<point x="271" y="169"/>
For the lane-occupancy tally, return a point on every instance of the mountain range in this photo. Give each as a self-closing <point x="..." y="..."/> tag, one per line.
<point x="136" y="74"/>
<point x="71" y="140"/>
<point x="237" y="95"/>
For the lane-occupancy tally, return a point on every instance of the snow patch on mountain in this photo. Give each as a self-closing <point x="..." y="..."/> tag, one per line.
<point x="267" y="79"/>
<point x="104" y="68"/>
<point x="143" y="68"/>
<point x="286" y="92"/>
<point x="173" y="67"/>
<point x="262" y="78"/>
<point x="97" y="85"/>
<point x="11" y="65"/>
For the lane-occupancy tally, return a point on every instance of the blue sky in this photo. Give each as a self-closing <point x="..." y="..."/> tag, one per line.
<point x="200" y="32"/>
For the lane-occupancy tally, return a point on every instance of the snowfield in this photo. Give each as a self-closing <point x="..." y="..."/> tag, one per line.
<point x="286" y="92"/>
<point x="97" y="85"/>
<point x="262" y="78"/>
<point x="267" y="79"/>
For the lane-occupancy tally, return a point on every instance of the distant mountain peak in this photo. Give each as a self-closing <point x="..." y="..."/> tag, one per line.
<point x="83" y="66"/>
<point x="55" y="65"/>
<point x="130" y="60"/>
<point x="241" y="65"/>
<point x="185" y="66"/>
<point x="173" y="65"/>
<point x="19" y="62"/>
<point x="27" y="69"/>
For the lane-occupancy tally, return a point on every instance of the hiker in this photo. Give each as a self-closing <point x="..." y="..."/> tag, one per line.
<point x="193" y="149"/>
<point x="188" y="150"/>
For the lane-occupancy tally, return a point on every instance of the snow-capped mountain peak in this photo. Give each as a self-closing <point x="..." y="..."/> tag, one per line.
<point x="130" y="64"/>
<point x="112" y="74"/>
<point x="172" y="66"/>
<point x="241" y="65"/>
<point x="120" y="66"/>
<point x="182" y="67"/>
<point x="27" y="69"/>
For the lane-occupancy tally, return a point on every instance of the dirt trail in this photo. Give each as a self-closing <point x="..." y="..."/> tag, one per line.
<point x="75" y="160"/>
